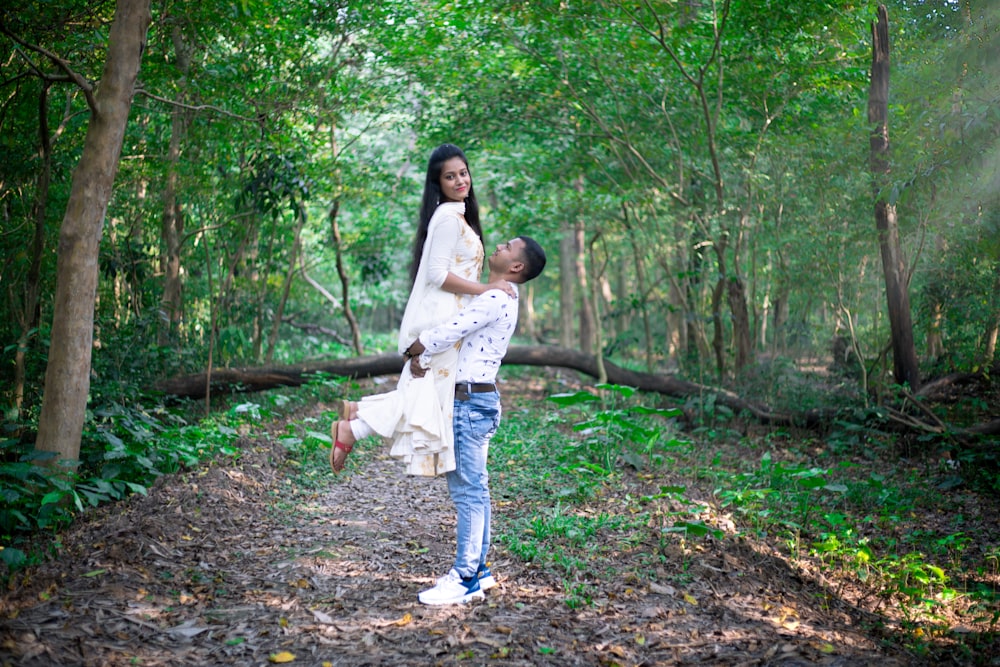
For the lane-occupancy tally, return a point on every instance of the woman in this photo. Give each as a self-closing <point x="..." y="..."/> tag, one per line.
<point x="445" y="270"/>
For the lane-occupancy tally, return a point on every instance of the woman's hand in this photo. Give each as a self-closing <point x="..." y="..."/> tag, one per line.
<point x="412" y="355"/>
<point x="455" y="285"/>
<point x="504" y="286"/>
<point x="416" y="370"/>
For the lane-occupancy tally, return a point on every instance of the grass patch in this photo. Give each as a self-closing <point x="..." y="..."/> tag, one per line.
<point x="600" y="490"/>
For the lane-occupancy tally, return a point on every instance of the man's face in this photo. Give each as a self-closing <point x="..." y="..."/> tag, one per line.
<point x="506" y="254"/>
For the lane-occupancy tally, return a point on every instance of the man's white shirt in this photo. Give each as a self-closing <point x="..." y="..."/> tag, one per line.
<point x="484" y="327"/>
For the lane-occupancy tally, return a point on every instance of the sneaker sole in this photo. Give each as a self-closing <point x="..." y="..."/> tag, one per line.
<point x="468" y="597"/>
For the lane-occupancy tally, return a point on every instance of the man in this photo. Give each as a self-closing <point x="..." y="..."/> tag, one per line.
<point x="484" y="327"/>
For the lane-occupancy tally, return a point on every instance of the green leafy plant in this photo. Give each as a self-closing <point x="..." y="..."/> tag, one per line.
<point x="124" y="450"/>
<point x="614" y="429"/>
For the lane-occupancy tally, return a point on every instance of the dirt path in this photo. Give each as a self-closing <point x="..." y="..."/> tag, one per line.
<point x="229" y="565"/>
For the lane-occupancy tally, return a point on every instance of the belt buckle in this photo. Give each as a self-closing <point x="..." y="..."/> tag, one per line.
<point x="462" y="392"/>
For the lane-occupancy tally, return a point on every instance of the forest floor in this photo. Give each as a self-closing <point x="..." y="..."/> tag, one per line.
<point x="240" y="562"/>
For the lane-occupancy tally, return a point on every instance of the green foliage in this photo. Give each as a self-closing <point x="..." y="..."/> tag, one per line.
<point x="580" y="532"/>
<point x="849" y="525"/>
<point x="615" y="430"/>
<point x="659" y="151"/>
<point x="125" y="449"/>
<point x="798" y="490"/>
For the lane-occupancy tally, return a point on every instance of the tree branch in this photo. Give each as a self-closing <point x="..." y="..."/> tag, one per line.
<point x="78" y="79"/>
<point x="193" y="107"/>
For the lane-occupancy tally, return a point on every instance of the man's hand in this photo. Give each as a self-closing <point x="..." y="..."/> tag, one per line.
<point x="416" y="370"/>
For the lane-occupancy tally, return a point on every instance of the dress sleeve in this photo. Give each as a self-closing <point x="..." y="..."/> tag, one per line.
<point x="441" y="251"/>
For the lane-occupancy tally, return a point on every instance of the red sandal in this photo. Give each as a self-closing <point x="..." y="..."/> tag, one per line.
<point x="337" y="444"/>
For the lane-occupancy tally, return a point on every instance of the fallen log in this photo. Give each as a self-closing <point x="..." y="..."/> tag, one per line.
<point x="228" y="380"/>
<point x="234" y="380"/>
<point x="662" y="384"/>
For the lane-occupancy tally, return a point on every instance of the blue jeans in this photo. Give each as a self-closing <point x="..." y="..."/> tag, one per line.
<point x="475" y="421"/>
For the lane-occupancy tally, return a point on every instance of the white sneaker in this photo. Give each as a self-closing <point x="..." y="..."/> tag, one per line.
<point x="452" y="589"/>
<point x="486" y="579"/>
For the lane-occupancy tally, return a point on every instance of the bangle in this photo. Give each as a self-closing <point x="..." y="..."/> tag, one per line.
<point x="406" y="353"/>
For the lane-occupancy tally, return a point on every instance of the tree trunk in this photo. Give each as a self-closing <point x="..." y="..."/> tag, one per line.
<point x="992" y="331"/>
<point x="935" y="339"/>
<point x="781" y="296"/>
<point x="736" y="295"/>
<point x="172" y="223"/>
<point x="279" y="313"/>
<point x="67" y="376"/>
<point x="678" y="305"/>
<point x="262" y="250"/>
<point x="718" y="333"/>
<point x="526" y="313"/>
<point x="904" y="355"/>
<point x="741" y="323"/>
<point x="345" y="281"/>
<point x="677" y="329"/>
<point x="990" y="350"/>
<point x="213" y="326"/>
<point x="588" y="325"/>
<point x="640" y="276"/>
<point x="30" y="315"/>
<point x="567" y="287"/>
<point x="595" y="311"/>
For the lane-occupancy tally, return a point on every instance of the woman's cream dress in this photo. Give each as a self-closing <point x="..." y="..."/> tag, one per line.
<point x="417" y="416"/>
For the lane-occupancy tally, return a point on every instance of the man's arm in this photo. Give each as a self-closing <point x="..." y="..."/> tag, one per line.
<point x="482" y="311"/>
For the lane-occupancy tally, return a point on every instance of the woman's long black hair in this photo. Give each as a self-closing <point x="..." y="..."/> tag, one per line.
<point x="432" y="197"/>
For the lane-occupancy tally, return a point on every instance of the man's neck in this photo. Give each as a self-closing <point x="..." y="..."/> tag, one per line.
<point x="493" y="277"/>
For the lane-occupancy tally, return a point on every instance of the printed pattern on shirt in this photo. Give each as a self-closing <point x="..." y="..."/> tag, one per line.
<point x="485" y="328"/>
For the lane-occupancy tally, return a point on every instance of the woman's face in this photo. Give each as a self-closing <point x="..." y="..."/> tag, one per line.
<point x="455" y="180"/>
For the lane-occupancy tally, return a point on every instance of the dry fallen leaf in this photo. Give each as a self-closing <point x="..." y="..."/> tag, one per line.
<point x="283" y="656"/>
<point x="322" y="617"/>
<point x="661" y="589"/>
<point x="405" y="620"/>
<point x="690" y="599"/>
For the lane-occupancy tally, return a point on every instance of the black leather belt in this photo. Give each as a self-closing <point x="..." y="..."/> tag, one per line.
<point x="463" y="389"/>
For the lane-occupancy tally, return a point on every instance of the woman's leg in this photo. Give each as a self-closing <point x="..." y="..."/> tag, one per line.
<point x="345" y="434"/>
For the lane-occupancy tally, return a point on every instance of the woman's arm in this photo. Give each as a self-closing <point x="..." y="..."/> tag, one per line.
<point x="456" y="285"/>
<point x="439" y="257"/>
